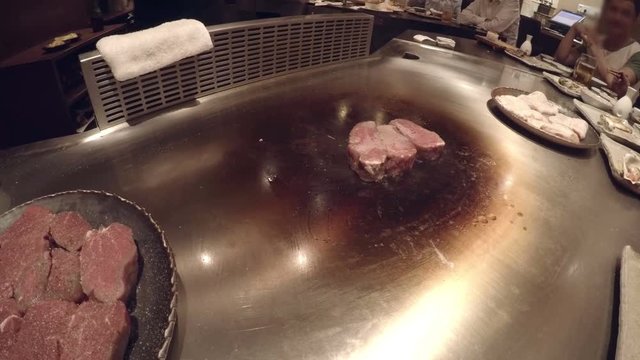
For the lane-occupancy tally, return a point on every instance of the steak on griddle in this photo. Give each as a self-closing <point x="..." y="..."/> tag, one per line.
<point x="379" y="151"/>
<point x="367" y="153"/>
<point x="428" y="143"/>
<point x="400" y="151"/>
<point x="109" y="263"/>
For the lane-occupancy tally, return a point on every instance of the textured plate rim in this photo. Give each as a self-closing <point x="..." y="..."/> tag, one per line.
<point x="550" y="68"/>
<point x="617" y="176"/>
<point x="563" y="89"/>
<point x="172" y="319"/>
<point x="540" y="133"/>
<point x="602" y="130"/>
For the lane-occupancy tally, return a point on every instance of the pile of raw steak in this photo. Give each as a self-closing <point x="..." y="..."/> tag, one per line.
<point x="380" y="151"/>
<point x="63" y="287"/>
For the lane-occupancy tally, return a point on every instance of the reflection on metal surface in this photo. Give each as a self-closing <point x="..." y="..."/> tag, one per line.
<point x="301" y="259"/>
<point x="343" y="111"/>
<point x="206" y="259"/>
<point x="102" y="133"/>
<point x="425" y="328"/>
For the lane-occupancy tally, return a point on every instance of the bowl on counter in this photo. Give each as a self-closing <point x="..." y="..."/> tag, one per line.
<point x="592" y="98"/>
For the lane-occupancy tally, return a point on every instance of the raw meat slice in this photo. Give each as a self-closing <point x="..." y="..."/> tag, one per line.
<point x="32" y="282"/>
<point x="400" y="151"/>
<point x="10" y="322"/>
<point x="68" y="230"/>
<point x="34" y="219"/>
<point x="428" y="143"/>
<point x="560" y="131"/>
<point x="42" y="328"/>
<point x="578" y="125"/>
<point x="64" y="278"/>
<point x="538" y="101"/>
<point x="97" y="331"/>
<point x="24" y="267"/>
<point x="109" y="263"/>
<point x="367" y="154"/>
<point x="8" y="307"/>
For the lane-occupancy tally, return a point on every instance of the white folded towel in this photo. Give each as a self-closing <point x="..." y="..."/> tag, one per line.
<point x="422" y="38"/>
<point x="446" y="42"/>
<point x="144" y="51"/>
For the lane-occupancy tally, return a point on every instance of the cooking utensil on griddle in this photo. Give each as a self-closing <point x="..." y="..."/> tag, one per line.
<point x="152" y="305"/>
<point x="591" y="141"/>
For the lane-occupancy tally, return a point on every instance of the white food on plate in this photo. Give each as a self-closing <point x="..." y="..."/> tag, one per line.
<point x="561" y="131"/>
<point x="543" y="114"/>
<point x="631" y="168"/>
<point x="538" y="101"/>
<point x="579" y="126"/>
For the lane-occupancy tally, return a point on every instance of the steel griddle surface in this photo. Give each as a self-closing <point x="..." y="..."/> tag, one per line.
<point x="283" y="253"/>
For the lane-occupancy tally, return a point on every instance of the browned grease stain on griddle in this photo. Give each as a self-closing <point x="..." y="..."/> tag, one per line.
<point x="299" y="153"/>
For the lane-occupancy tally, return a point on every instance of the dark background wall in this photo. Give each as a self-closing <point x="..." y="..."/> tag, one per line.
<point x="24" y="23"/>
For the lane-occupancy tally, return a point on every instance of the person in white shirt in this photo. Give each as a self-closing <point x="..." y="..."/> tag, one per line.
<point x="499" y="16"/>
<point x="611" y="44"/>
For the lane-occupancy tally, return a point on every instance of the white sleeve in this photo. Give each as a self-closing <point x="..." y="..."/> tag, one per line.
<point x="469" y="16"/>
<point x="507" y="15"/>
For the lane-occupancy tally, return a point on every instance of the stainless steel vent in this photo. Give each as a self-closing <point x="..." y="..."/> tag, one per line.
<point x="242" y="52"/>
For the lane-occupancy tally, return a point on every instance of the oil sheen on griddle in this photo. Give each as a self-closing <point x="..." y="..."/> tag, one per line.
<point x="288" y="175"/>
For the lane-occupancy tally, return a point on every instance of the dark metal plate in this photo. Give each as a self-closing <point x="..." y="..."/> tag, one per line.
<point x="592" y="140"/>
<point x="152" y="304"/>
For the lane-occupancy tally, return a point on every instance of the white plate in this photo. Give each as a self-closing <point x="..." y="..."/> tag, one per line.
<point x="565" y="70"/>
<point x="555" y="80"/>
<point x="592" y="115"/>
<point x="533" y="62"/>
<point x="594" y="99"/>
<point x="615" y="154"/>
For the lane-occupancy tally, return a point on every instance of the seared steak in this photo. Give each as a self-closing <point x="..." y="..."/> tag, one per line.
<point x="109" y="263"/>
<point x="64" y="278"/>
<point x="428" y="143"/>
<point x="378" y="151"/>
<point x="68" y="230"/>
<point x="400" y="152"/>
<point x="367" y="154"/>
<point x="97" y="331"/>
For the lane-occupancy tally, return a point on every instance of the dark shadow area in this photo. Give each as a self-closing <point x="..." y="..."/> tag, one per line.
<point x="410" y="56"/>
